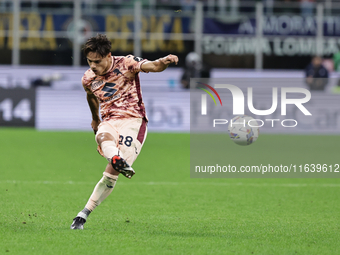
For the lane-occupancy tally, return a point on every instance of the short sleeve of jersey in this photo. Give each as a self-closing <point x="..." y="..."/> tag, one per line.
<point x="87" y="78"/>
<point x="134" y="63"/>
<point x="83" y="82"/>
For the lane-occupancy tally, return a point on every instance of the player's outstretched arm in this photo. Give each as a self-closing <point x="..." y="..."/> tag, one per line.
<point x="159" y="65"/>
<point x="94" y="107"/>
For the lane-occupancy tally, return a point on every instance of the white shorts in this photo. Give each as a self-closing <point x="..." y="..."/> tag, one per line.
<point x="129" y="135"/>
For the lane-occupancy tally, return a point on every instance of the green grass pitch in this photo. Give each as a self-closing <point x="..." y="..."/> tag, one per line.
<point x="47" y="177"/>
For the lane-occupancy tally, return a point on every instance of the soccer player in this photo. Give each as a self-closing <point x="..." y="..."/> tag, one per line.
<point x="112" y="83"/>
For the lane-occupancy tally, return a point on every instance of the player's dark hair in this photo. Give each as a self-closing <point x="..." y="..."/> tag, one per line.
<point x="98" y="44"/>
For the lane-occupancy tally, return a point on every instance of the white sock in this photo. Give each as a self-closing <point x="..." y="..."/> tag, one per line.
<point x="84" y="213"/>
<point x="109" y="149"/>
<point x="103" y="188"/>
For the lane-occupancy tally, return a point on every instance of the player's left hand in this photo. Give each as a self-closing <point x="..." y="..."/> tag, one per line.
<point x="170" y="59"/>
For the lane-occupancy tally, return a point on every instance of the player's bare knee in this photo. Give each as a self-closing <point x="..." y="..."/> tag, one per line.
<point x="102" y="137"/>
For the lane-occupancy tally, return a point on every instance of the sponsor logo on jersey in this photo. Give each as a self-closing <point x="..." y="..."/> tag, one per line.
<point x="116" y="71"/>
<point x="110" y="99"/>
<point x="96" y="84"/>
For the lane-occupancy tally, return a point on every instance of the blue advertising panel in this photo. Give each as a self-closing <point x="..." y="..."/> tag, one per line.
<point x="274" y="25"/>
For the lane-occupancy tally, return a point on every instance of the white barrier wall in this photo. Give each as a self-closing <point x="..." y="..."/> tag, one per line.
<point x="168" y="111"/>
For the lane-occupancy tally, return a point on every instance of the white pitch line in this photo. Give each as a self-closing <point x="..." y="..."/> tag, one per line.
<point x="179" y="183"/>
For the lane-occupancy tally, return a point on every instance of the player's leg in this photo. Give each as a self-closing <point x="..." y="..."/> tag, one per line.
<point x="135" y="133"/>
<point x="132" y="136"/>
<point x="108" y="148"/>
<point x="106" y="138"/>
<point x="101" y="191"/>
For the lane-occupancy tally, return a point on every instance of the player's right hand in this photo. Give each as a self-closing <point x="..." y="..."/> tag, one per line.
<point x="169" y="59"/>
<point x="94" y="125"/>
